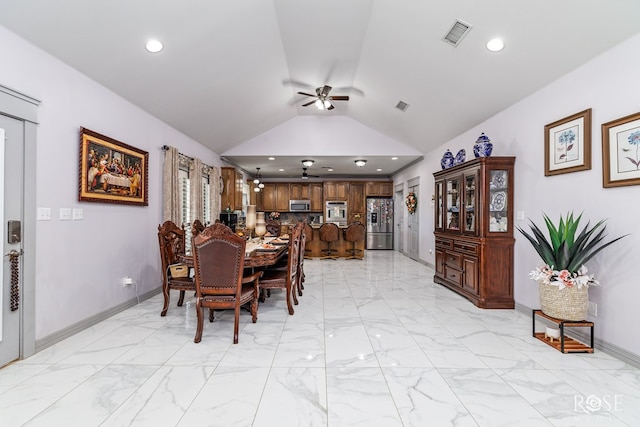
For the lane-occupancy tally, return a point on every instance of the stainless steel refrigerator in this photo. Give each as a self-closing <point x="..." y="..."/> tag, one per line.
<point x="379" y="223"/>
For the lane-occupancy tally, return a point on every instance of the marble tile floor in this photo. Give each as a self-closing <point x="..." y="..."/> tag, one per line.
<point x="372" y="343"/>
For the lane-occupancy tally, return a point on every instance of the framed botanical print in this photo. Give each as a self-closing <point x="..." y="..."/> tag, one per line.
<point x="621" y="152"/>
<point x="567" y="144"/>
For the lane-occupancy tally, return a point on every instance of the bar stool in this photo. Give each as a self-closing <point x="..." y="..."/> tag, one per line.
<point x="329" y="233"/>
<point x="308" y="233"/>
<point x="354" y="234"/>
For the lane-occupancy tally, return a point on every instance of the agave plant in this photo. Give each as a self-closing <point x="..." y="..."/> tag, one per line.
<point x="566" y="250"/>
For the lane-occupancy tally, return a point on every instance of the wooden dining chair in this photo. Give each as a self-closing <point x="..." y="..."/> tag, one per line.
<point x="218" y="258"/>
<point x="196" y="228"/>
<point x="303" y="243"/>
<point x="273" y="227"/>
<point x="171" y="240"/>
<point x="285" y="279"/>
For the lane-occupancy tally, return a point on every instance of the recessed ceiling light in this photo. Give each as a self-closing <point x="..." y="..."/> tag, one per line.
<point x="495" y="45"/>
<point x="272" y="158"/>
<point x="379" y="170"/>
<point x="154" y="46"/>
<point x="330" y="170"/>
<point x="394" y="158"/>
<point x="281" y="170"/>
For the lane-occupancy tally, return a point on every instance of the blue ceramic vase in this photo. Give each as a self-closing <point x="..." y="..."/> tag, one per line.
<point x="460" y="157"/>
<point x="447" y="160"/>
<point x="483" y="146"/>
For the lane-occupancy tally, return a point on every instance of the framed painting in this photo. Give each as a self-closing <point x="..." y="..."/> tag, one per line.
<point x="112" y="171"/>
<point x="621" y="152"/>
<point x="567" y="144"/>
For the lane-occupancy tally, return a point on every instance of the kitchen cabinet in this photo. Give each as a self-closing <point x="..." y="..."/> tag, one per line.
<point x="474" y="230"/>
<point x="335" y="190"/>
<point x="299" y="191"/>
<point x="315" y="196"/>
<point x="356" y="203"/>
<point x="282" y="197"/>
<point x="231" y="197"/>
<point x="266" y="198"/>
<point x="379" y="189"/>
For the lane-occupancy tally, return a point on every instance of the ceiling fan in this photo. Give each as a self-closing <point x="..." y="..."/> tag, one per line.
<point x="323" y="100"/>
<point x="305" y="175"/>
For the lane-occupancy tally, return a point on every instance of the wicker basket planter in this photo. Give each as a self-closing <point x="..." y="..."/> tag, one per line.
<point x="566" y="304"/>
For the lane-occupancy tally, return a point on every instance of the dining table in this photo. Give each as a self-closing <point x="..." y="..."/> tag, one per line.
<point x="258" y="252"/>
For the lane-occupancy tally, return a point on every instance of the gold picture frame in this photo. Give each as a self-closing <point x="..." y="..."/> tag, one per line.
<point x="621" y="152"/>
<point x="567" y="144"/>
<point x="112" y="171"/>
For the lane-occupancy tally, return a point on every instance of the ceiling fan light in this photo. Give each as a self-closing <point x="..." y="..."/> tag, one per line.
<point x="360" y="163"/>
<point x="326" y="104"/>
<point x="256" y="181"/>
<point x="307" y="162"/>
<point x="319" y="104"/>
<point x="256" y="189"/>
<point x="261" y="185"/>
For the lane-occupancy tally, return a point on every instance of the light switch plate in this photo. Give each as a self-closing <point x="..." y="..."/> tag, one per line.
<point x="78" y="214"/>
<point x="44" y="214"/>
<point x="520" y="215"/>
<point x="65" y="214"/>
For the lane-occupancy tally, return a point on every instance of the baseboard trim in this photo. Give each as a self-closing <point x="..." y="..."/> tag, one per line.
<point x="62" y="334"/>
<point x="599" y="344"/>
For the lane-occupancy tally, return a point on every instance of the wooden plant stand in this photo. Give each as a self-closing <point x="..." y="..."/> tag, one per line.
<point x="564" y="344"/>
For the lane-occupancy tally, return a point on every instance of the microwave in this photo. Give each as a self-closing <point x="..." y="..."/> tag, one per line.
<point x="299" y="205"/>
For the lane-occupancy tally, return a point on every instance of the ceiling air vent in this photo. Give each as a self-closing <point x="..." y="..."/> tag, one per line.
<point x="402" y="106"/>
<point x="456" y="33"/>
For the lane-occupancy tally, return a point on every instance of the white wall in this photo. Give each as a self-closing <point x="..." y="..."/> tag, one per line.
<point x="321" y="136"/>
<point x="80" y="264"/>
<point x="608" y="84"/>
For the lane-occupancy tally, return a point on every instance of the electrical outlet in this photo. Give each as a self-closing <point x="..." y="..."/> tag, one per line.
<point x="593" y="309"/>
<point x="126" y="281"/>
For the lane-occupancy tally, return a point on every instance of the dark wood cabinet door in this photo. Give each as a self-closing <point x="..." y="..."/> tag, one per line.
<point x="356" y="200"/>
<point x="282" y="197"/>
<point x="267" y="198"/>
<point x="315" y="195"/>
<point x="299" y="192"/>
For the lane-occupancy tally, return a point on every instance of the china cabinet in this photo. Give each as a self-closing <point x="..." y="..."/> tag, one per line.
<point x="474" y="230"/>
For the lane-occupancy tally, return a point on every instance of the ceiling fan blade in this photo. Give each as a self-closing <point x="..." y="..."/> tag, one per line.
<point x="331" y="107"/>
<point x="308" y="103"/>
<point x="325" y="90"/>
<point x="339" y="98"/>
<point x="306" y="94"/>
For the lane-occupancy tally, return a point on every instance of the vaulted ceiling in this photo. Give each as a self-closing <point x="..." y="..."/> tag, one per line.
<point x="231" y="69"/>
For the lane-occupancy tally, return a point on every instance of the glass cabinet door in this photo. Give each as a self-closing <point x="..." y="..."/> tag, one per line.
<point x="470" y="201"/>
<point x="453" y="204"/>
<point x="498" y="209"/>
<point x="439" y="205"/>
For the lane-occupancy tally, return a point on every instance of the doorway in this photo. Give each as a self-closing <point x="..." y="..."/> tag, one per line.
<point x="17" y="201"/>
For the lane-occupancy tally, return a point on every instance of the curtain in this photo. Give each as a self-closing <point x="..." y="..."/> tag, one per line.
<point x="216" y="192"/>
<point x="195" y="176"/>
<point x="171" y="186"/>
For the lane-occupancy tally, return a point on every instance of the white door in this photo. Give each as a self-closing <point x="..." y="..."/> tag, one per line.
<point x="414" y="229"/>
<point x="399" y="220"/>
<point x="11" y="209"/>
